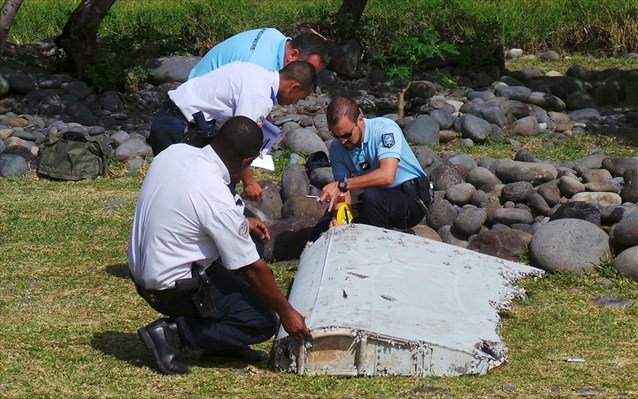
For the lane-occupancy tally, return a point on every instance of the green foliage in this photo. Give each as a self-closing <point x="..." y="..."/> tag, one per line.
<point x="397" y="73"/>
<point x="412" y="50"/>
<point x="406" y="53"/>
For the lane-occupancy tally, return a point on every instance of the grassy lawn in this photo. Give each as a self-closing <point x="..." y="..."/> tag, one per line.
<point x="69" y="316"/>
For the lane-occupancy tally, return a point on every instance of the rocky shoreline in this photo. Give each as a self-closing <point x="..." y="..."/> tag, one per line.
<point x="563" y="217"/>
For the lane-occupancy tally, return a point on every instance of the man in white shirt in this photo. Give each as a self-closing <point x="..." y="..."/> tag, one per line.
<point x="238" y="88"/>
<point x="192" y="259"/>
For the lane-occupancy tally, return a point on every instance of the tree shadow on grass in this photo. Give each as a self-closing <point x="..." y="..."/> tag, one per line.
<point x="120" y="270"/>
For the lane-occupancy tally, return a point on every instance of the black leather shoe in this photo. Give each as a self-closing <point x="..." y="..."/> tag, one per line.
<point x="162" y="338"/>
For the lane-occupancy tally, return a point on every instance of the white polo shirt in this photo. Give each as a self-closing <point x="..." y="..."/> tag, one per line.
<point x="186" y="213"/>
<point x="238" y="88"/>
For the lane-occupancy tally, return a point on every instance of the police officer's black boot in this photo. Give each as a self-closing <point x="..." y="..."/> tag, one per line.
<point x="162" y="338"/>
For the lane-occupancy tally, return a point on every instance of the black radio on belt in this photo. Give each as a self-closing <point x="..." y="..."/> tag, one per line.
<point x="200" y="132"/>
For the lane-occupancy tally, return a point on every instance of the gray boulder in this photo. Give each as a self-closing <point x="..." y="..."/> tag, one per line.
<point x="527" y="126"/>
<point x="509" y="216"/>
<point x="294" y="182"/>
<point x="535" y="173"/>
<point x="132" y="148"/>
<point x="480" y="176"/>
<point x="519" y="93"/>
<point x="450" y="236"/>
<point x="569" y="245"/>
<point x="506" y="244"/>
<point x="444" y="119"/>
<point x="517" y="191"/>
<point x="21" y="83"/>
<point x="448" y="175"/>
<point x="578" y="210"/>
<point x="599" y="199"/>
<point x="570" y="186"/>
<point x="475" y="128"/>
<point x="171" y="69"/>
<point x="304" y="141"/>
<point x="625" y="232"/>
<point x="422" y="89"/>
<point x="618" y="165"/>
<point x="269" y="208"/>
<point x="440" y="213"/>
<point x="427" y="157"/>
<point x="301" y="206"/>
<point x="579" y="100"/>
<point x="550" y="192"/>
<point x="13" y="165"/>
<point x="321" y="176"/>
<point x="460" y="194"/>
<point x="470" y="220"/>
<point x="546" y="101"/>
<point x="288" y="238"/>
<point x="627" y="263"/>
<point x="424" y="130"/>
<point x="538" y="204"/>
<point x="629" y="192"/>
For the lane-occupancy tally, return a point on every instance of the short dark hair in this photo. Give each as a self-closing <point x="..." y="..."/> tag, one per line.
<point x="240" y="136"/>
<point x="341" y="107"/>
<point x="309" y="44"/>
<point x="302" y="72"/>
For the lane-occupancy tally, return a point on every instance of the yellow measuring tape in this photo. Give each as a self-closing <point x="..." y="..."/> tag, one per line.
<point x="344" y="213"/>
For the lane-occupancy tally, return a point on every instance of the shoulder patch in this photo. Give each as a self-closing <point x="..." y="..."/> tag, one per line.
<point x="388" y="140"/>
<point x="244" y="229"/>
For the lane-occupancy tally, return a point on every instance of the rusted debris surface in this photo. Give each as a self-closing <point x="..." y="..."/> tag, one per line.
<point x="423" y="308"/>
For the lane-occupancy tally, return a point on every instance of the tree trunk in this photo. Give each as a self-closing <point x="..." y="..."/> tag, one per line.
<point x="7" y="15"/>
<point x="352" y="7"/>
<point x="79" y="36"/>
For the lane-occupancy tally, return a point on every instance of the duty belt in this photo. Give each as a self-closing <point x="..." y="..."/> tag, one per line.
<point x="171" y="109"/>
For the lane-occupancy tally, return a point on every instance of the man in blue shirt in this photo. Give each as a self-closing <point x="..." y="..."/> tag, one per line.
<point x="266" y="47"/>
<point x="372" y="155"/>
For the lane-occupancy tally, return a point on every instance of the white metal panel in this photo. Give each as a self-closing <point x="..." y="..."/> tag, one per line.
<point x="421" y="306"/>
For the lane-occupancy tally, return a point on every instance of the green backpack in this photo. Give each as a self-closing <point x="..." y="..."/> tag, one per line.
<point x="74" y="157"/>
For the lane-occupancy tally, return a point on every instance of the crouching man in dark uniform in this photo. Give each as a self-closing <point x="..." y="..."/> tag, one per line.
<point x="373" y="156"/>
<point x="192" y="258"/>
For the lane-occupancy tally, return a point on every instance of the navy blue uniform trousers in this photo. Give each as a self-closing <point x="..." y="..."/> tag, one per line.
<point x="389" y="208"/>
<point x="240" y="317"/>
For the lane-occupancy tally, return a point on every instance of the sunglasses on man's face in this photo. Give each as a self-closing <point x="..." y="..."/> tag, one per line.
<point x="344" y="136"/>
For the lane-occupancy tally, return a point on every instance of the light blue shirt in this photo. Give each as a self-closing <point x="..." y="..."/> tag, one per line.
<point x="382" y="138"/>
<point x="264" y="47"/>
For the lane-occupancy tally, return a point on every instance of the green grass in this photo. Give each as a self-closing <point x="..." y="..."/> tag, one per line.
<point x="69" y="315"/>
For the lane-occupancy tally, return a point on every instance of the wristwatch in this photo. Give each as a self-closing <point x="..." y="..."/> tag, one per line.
<point x="343" y="185"/>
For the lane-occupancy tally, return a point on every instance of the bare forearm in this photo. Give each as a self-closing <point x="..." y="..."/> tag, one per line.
<point x="246" y="176"/>
<point x="263" y="284"/>
<point x="376" y="178"/>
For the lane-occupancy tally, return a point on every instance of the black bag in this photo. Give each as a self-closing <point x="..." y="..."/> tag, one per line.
<point x="74" y="157"/>
<point x="318" y="159"/>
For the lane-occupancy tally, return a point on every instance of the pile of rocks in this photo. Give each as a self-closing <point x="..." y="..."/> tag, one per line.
<point x="564" y="217"/>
